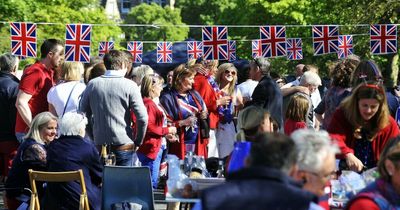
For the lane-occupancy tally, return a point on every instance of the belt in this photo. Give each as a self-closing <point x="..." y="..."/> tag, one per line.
<point x="123" y="147"/>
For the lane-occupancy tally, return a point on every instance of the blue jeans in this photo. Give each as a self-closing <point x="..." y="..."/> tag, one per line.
<point x="154" y="165"/>
<point x="123" y="158"/>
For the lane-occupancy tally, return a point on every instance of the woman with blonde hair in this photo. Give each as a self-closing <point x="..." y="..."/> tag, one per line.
<point x="296" y="114"/>
<point x="154" y="142"/>
<point x="31" y="154"/>
<point x="64" y="97"/>
<point x="362" y="126"/>
<point x="226" y="78"/>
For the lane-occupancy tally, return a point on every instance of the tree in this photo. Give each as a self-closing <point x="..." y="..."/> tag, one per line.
<point x="164" y="22"/>
<point x="59" y="12"/>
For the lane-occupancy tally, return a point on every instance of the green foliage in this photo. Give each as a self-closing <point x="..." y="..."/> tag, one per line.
<point x="60" y="12"/>
<point x="163" y="20"/>
<point x="345" y="13"/>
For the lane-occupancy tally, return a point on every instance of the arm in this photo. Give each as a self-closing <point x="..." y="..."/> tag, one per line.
<point x="52" y="110"/>
<point x="152" y="127"/>
<point x="141" y="115"/>
<point x="294" y="89"/>
<point x="95" y="167"/>
<point x="22" y="105"/>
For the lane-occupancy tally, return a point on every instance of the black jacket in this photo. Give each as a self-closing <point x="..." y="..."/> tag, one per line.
<point x="8" y="94"/>
<point x="257" y="188"/>
<point x="268" y="95"/>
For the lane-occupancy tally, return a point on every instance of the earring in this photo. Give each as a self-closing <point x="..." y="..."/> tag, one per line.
<point x="390" y="173"/>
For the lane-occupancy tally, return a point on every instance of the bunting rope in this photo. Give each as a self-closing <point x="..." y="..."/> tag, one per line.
<point x="196" y="26"/>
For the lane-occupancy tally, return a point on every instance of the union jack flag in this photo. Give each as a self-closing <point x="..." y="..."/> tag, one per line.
<point x="345" y="47"/>
<point x="273" y="41"/>
<point x="164" y="52"/>
<point x="136" y="49"/>
<point x="215" y="43"/>
<point x="23" y="39"/>
<point x="232" y="50"/>
<point x="325" y="39"/>
<point x="383" y="39"/>
<point x="294" y="49"/>
<point x="194" y="49"/>
<point x="77" y="42"/>
<point x="256" y="49"/>
<point x="104" y="47"/>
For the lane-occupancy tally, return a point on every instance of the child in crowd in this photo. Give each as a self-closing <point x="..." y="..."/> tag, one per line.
<point x="296" y="114"/>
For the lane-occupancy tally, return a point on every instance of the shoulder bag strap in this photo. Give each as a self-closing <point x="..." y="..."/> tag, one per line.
<point x="66" y="104"/>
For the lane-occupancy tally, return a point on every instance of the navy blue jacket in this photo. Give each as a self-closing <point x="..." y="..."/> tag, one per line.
<point x="70" y="153"/>
<point x="257" y="188"/>
<point x="30" y="155"/>
<point x="268" y="95"/>
<point x="8" y="94"/>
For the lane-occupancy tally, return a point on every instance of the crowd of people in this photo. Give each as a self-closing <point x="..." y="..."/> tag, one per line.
<point x="59" y="115"/>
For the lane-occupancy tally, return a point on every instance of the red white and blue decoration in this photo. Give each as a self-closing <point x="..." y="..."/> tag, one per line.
<point x="231" y="50"/>
<point x="383" y="39"/>
<point x="273" y="41"/>
<point x="194" y="49"/>
<point x="164" y="52"/>
<point x="77" y="42"/>
<point x="345" y="46"/>
<point x="215" y="43"/>
<point x="23" y="39"/>
<point x="105" y="47"/>
<point x="294" y="49"/>
<point x="325" y="39"/>
<point x="136" y="49"/>
<point x="256" y="50"/>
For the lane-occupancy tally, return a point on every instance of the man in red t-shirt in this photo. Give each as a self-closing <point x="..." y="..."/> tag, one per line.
<point x="36" y="81"/>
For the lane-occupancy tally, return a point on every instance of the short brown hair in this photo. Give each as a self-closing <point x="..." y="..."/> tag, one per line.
<point x="181" y="72"/>
<point x="298" y="108"/>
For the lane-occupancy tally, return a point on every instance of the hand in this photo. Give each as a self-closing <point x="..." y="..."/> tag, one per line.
<point x="190" y="121"/>
<point x="303" y="89"/>
<point x="224" y="101"/>
<point x="172" y="138"/>
<point x="172" y="130"/>
<point x="203" y="114"/>
<point x="354" y="163"/>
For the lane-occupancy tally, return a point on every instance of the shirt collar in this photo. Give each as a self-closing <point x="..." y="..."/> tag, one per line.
<point x="114" y="73"/>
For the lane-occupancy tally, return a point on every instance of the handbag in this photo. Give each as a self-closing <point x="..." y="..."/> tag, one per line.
<point x="204" y="128"/>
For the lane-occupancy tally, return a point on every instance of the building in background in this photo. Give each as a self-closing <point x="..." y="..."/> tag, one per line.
<point x="118" y="9"/>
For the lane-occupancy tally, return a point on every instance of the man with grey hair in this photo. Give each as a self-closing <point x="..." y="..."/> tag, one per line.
<point x="108" y="100"/>
<point x="265" y="182"/>
<point x="267" y="93"/>
<point x="139" y="72"/>
<point x="316" y="159"/>
<point x="8" y="94"/>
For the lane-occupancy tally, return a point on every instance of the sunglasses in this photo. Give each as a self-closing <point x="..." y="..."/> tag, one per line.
<point x="256" y="62"/>
<point x="230" y="72"/>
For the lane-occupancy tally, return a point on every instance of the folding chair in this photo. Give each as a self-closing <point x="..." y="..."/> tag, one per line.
<point x="66" y="176"/>
<point x="127" y="184"/>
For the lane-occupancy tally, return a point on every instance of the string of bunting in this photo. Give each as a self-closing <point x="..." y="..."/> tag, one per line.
<point x="215" y="44"/>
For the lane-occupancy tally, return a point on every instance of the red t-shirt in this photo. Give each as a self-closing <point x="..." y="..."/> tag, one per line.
<point x="36" y="81"/>
<point x="291" y="125"/>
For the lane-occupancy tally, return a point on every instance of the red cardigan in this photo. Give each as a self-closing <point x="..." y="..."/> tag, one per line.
<point x="206" y="91"/>
<point x="342" y="131"/>
<point x="152" y="140"/>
